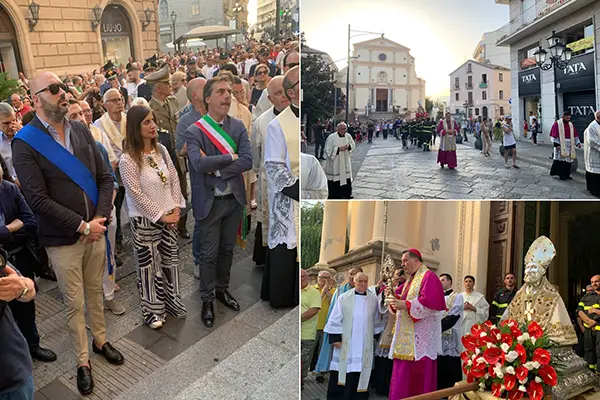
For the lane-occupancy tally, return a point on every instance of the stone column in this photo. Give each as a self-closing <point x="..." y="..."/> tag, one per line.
<point x="362" y="217"/>
<point x="333" y="238"/>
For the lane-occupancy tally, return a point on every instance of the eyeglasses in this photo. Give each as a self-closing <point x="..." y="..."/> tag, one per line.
<point x="54" y="88"/>
<point x="262" y="72"/>
<point x="292" y="65"/>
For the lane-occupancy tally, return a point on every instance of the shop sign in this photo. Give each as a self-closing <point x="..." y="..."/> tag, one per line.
<point x="112" y="28"/>
<point x="529" y="83"/>
<point x="114" y="22"/>
<point x="578" y="75"/>
<point x="547" y="6"/>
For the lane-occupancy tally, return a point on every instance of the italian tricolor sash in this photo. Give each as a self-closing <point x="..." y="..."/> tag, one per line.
<point x="225" y="144"/>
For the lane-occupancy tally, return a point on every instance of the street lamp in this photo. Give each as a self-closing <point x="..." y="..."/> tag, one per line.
<point x="237" y="9"/>
<point x="34" y="8"/>
<point x="148" y="15"/>
<point x="97" y="17"/>
<point x="560" y="57"/>
<point x="466" y="106"/>
<point x="173" y="20"/>
<point x="359" y="33"/>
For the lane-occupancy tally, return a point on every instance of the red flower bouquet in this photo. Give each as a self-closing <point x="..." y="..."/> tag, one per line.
<point x="513" y="362"/>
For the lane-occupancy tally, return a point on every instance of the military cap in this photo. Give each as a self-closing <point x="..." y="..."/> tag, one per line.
<point x="150" y="63"/>
<point x="162" y="75"/>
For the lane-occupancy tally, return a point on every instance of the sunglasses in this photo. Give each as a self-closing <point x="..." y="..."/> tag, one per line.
<point x="292" y="65"/>
<point x="54" y="88"/>
<point x="262" y="72"/>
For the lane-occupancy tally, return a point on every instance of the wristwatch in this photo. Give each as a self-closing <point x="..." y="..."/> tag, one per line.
<point x="87" y="229"/>
<point x="23" y="293"/>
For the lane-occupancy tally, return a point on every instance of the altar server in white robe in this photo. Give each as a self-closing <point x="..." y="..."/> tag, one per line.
<point x="279" y="103"/>
<point x="476" y="308"/>
<point x="449" y="365"/>
<point x="313" y="181"/>
<point x="338" y="163"/>
<point x="280" y="285"/>
<point x="351" y="326"/>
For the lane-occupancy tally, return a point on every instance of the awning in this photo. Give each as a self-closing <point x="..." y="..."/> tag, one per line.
<point x="208" y="32"/>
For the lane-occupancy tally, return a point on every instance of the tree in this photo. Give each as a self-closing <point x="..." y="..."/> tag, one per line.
<point x="428" y="105"/>
<point x="312" y="225"/>
<point x="317" y="88"/>
<point x="7" y="86"/>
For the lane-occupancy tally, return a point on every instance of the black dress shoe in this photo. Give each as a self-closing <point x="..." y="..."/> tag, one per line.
<point x="85" y="382"/>
<point x="111" y="354"/>
<point x="184" y="235"/>
<point x="118" y="261"/>
<point x="41" y="354"/>
<point x="226" y="298"/>
<point x="208" y="313"/>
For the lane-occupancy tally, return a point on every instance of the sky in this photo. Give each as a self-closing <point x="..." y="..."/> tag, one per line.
<point x="442" y="34"/>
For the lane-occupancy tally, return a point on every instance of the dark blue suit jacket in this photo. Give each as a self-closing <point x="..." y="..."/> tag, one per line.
<point x="203" y="184"/>
<point x="13" y="206"/>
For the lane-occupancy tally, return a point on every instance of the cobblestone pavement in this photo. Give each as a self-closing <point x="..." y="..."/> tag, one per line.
<point x="389" y="172"/>
<point x="165" y="363"/>
<point x="358" y="155"/>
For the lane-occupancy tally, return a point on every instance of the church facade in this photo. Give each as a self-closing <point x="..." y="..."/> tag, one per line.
<point x="480" y="238"/>
<point x="383" y="80"/>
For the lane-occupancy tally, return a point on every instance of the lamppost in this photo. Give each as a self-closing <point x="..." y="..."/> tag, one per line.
<point x="173" y="20"/>
<point x="334" y="87"/>
<point x="466" y="106"/>
<point x="560" y="56"/>
<point x="359" y="33"/>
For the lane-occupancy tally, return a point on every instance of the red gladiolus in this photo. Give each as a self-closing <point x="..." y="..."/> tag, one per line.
<point x="469" y="342"/>
<point x="492" y="355"/>
<point x="521" y="372"/>
<point x="542" y="356"/>
<point x="496" y="389"/>
<point x="535" y="390"/>
<point x="510" y="381"/>
<point x="522" y="353"/>
<point x="506" y="338"/>
<point x="515" y="394"/>
<point x="535" y="330"/>
<point x="548" y="375"/>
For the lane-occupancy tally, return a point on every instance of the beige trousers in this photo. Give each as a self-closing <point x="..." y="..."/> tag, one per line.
<point x="79" y="270"/>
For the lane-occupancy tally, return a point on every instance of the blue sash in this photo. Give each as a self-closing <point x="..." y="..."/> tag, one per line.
<point x="61" y="158"/>
<point x="68" y="164"/>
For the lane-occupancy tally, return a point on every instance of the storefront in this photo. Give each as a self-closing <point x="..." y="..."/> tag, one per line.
<point x="576" y="84"/>
<point x="117" y="43"/>
<point x="9" y="53"/>
<point x="530" y="90"/>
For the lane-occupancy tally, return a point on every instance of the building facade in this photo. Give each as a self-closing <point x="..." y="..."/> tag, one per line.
<point x="480" y="90"/>
<point x="548" y="93"/>
<point x="194" y="13"/>
<point x="266" y="17"/>
<point x="63" y="41"/>
<point x="383" y="80"/>
<point x="488" y="52"/>
<point x="479" y="238"/>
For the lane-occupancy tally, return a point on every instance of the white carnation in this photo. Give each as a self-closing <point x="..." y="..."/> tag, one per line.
<point x="526" y="336"/>
<point x="510" y="370"/>
<point x="536" y="365"/>
<point x="483" y="334"/>
<point x="469" y="363"/>
<point x="498" y="336"/>
<point x="533" y="341"/>
<point x="512" y="356"/>
<point x="500" y="375"/>
<point x="482" y="386"/>
<point x="528" y="365"/>
<point x="524" y="381"/>
<point x="538" y="379"/>
<point x="503" y="387"/>
<point x="522" y="388"/>
<point x="477" y="351"/>
<point x="498" y="365"/>
<point x="489" y="345"/>
<point x="481" y="360"/>
<point x="505" y="347"/>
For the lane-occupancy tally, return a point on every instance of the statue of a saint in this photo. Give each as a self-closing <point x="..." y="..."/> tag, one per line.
<point x="538" y="300"/>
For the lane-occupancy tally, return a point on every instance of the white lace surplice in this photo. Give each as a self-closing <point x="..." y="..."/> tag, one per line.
<point x="282" y="228"/>
<point x="314" y="180"/>
<point x="451" y="343"/>
<point x="338" y="167"/>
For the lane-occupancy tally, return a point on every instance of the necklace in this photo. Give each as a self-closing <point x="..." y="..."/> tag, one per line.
<point x="154" y="164"/>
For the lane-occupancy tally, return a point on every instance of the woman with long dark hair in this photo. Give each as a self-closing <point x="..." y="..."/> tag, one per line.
<point x="154" y="201"/>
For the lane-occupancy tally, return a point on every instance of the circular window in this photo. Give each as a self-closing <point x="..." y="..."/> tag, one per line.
<point x="382" y="57"/>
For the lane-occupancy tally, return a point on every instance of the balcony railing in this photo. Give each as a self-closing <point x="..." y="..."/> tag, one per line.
<point x="456" y="86"/>
<point x="483" y="85"/>
<point x="469" y="86"/>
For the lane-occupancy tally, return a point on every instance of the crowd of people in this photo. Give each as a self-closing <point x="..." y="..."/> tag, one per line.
<point x="76" y="148"/>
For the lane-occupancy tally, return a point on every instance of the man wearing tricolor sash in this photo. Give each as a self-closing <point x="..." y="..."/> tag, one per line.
<point x="565" y="139"/>
<point x="449" y="366"/>
<point x="448" y="129"/>
<point x="417" y="338"/>
<point x="282" y="164"/>
<point x="351" y="327"/>
<point x="219" y="152"/>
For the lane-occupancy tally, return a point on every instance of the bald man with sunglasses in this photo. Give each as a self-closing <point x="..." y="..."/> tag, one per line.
<point x="69" y="188"/>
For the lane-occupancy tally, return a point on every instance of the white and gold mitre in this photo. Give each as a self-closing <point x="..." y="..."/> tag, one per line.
<point x="541" y="252"/>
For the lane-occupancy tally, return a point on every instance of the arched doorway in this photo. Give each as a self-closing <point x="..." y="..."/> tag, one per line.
<point x="10" y="60"/>
<point x="117" y="35"/>
<point x="484" y="112"/>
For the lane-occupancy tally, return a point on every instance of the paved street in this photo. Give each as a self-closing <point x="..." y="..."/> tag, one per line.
<point x="385" y="171"/>
<point x="318" y="391"/>
<point x="252" y="354"/>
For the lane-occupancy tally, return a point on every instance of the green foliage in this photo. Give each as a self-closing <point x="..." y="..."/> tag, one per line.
<point x="7" y="86"/>
<point x="312" y="224"/>
<point x="317" y="88"/>
<point x="428" y="105"/>
<point x="497" y="134"/>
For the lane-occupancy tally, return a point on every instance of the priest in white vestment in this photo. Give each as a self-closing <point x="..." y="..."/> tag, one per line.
<point x="476" y="308"/>
<point x="351" y="327"/>
<point x="338" y="163"/>
<point x="591" y="151"/>
<point x="313" y="180"/>
<point x="280" y="285"/>
<point x="259" y="128"/>
<point x="449" y="364"/>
